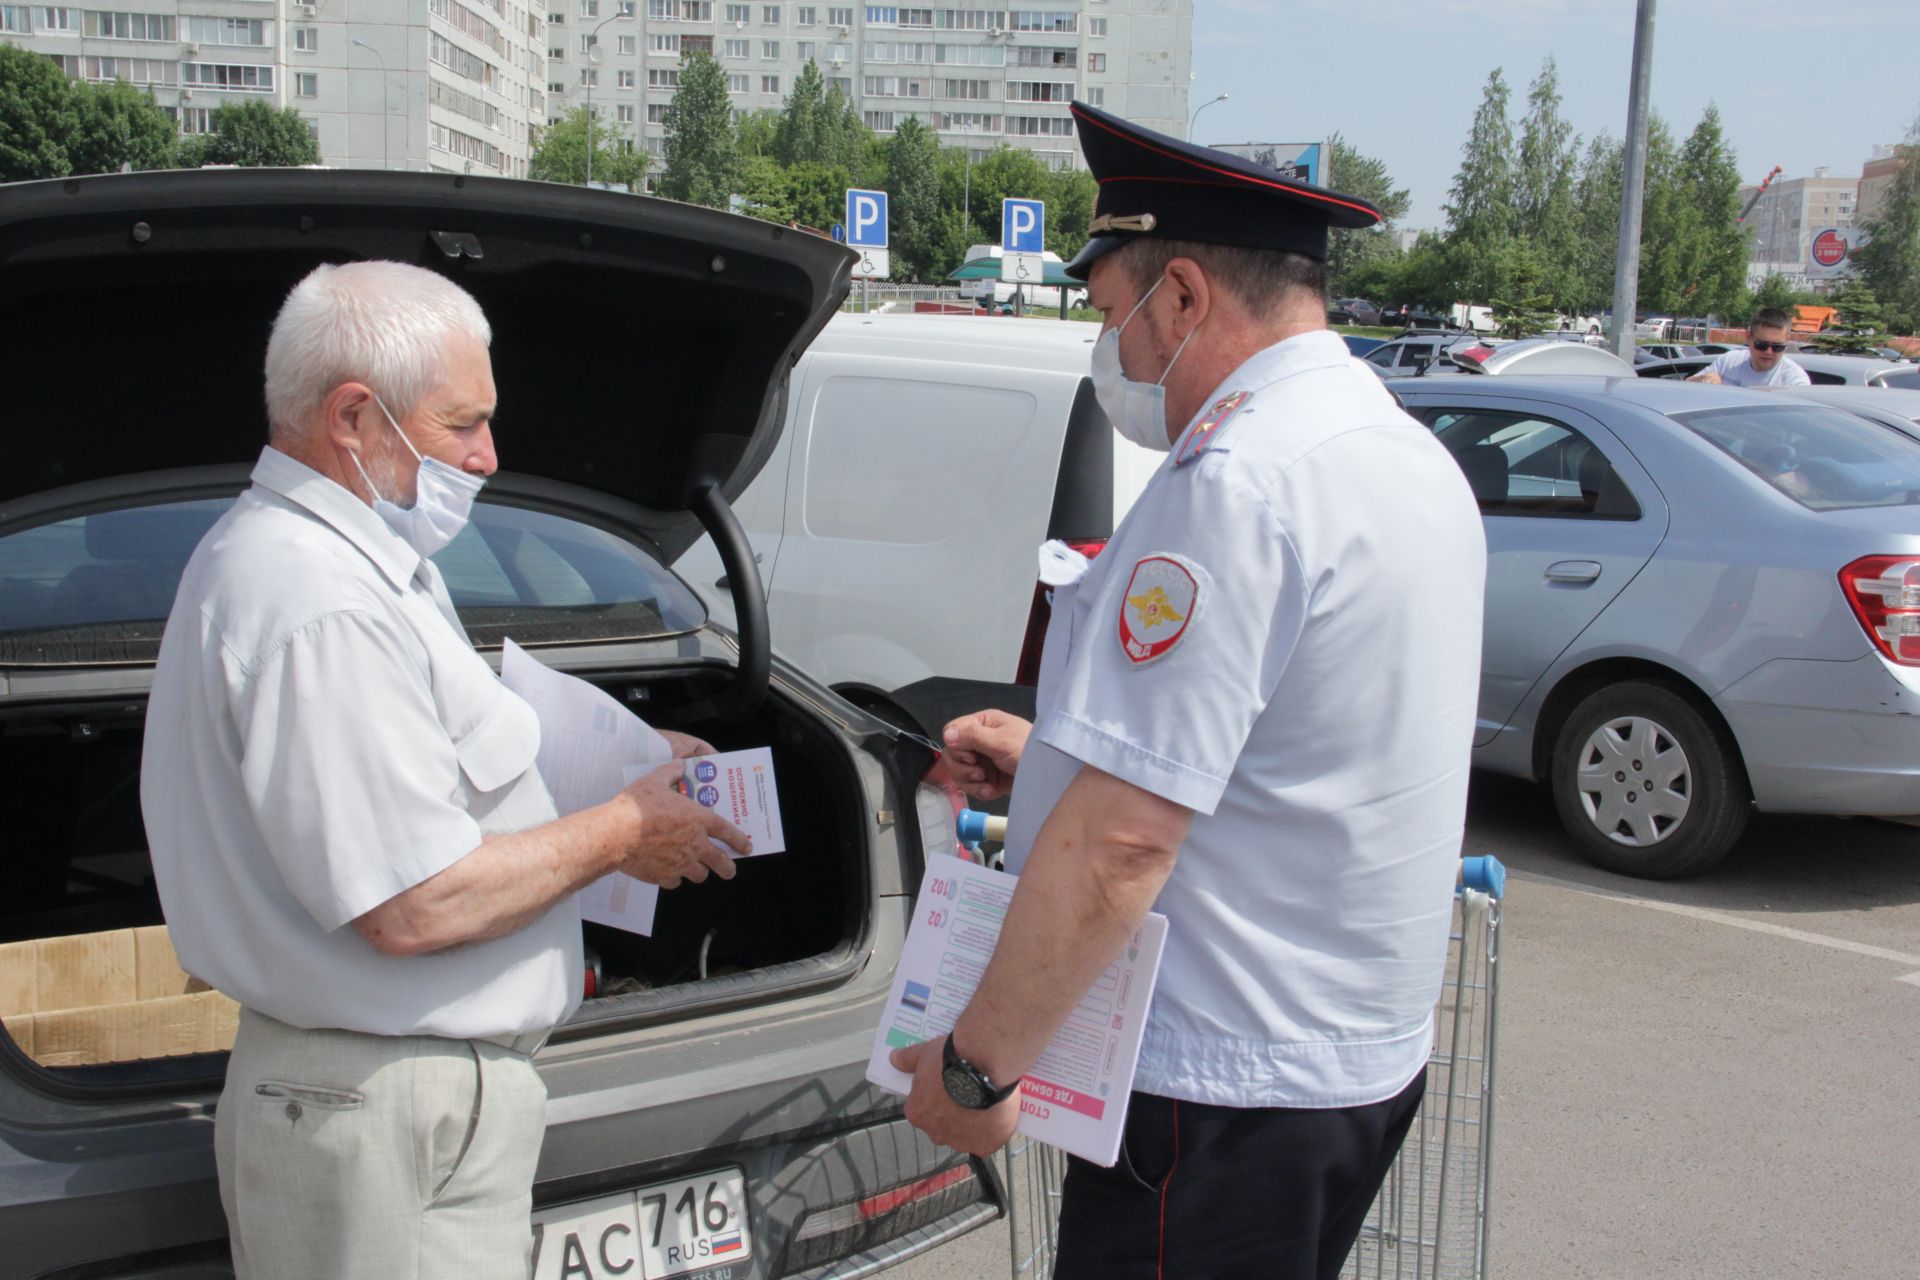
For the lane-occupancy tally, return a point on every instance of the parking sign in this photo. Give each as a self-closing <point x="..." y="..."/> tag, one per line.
<point x="1023" y="226"/>
<point x="866" y="219"/>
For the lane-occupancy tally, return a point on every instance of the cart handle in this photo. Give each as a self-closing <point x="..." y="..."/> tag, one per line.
<point x="1484" y="873"/>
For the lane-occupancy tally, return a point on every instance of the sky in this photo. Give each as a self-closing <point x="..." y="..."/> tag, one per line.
<point x="1798" y="84"/>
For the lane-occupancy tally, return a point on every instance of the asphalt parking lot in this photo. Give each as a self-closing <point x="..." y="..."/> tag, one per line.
<point x="1713" y="1077"/>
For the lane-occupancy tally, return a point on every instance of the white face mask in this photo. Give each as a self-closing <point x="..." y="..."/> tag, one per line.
<point x="1138" y="410"/>
<point x="442" y="501"/>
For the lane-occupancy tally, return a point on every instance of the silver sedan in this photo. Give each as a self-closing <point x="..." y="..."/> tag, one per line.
<point x="1701" y="601"/>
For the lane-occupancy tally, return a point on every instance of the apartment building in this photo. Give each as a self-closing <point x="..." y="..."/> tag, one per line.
<point x="1788" y="215"/>
<point x="449" y="85"/>
<point x="978" y="76"/>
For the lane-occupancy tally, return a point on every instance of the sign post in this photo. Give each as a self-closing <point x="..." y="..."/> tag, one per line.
<point x="1023" y="239"/>
<point x="867" y="233"/>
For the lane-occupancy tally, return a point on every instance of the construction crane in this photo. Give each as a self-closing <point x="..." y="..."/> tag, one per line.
<point x="1764" y="184"/>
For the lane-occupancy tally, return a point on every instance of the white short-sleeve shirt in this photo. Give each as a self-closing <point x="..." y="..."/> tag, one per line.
<point x="1736" y="370"/>
<point x="322" y="737"/>
<point x="1283" y="635"/>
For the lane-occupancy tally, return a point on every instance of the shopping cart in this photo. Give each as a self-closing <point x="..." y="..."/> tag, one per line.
<point x="1429" y="1221"/>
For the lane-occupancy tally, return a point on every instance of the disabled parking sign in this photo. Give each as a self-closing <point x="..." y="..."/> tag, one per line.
<point x="1023" y="238"/>
<point x="867" y="232"/>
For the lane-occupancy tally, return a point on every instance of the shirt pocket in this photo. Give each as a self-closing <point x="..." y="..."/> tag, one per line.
<point x="501" y="747"/>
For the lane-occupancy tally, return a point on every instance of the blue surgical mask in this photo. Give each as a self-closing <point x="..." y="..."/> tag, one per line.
<point x="442" y="501"/>
<point x="1138" y="410"/>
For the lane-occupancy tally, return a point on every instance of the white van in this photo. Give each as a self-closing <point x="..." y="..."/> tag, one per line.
<point x="896" y="524"/>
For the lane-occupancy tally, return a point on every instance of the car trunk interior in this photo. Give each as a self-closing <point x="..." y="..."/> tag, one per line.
<point x="78" y="865"/>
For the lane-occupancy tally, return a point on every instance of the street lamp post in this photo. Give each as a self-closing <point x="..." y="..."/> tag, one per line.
<point x="385" y="162"/>
<point x="593" y="56"/>
<point x="1196" y="113"/>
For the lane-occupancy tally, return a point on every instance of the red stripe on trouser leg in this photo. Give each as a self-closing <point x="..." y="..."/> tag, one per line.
<point x="1161" y="1268"/>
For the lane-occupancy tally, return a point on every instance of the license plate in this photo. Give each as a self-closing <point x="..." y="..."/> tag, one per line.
<point x="668" y="1229"/>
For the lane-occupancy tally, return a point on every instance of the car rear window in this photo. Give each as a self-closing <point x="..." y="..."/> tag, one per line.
<point x="1822" y="458"/>
<point x="96" y="589"/>
<point x="1904" y="379"/>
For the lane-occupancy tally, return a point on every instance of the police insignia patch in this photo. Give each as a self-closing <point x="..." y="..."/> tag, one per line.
<point x="1211" y="429"/>
<point x="1158" y="607"/>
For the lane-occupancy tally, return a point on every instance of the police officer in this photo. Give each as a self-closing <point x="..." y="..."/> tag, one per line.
<point x="1254" y="716"/>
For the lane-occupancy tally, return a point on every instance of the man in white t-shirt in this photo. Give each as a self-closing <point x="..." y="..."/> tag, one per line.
<point x="1763" y="363"/>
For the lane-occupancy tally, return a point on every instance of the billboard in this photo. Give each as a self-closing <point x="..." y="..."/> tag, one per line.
<point x="1301" y="161"/>
<point x="1830" y="249"/>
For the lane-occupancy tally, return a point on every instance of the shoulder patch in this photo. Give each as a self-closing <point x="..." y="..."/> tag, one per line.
<point x="1212" y="428"/>
<point x="1158" y="608"/>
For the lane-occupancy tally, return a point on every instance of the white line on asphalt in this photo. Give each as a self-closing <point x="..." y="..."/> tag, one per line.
<point x="1737" y="922"/>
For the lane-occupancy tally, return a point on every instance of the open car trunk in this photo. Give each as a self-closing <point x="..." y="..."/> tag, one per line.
<point x="78" y="871"/>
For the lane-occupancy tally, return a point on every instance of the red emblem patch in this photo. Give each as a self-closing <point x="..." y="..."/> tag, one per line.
<point x="1157" y="608"/>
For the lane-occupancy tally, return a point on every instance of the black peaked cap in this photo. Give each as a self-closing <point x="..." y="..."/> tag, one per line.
<point x="1154" y="185"/>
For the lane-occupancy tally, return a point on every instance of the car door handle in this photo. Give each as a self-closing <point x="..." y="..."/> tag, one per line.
<point x="725" y="581"/>
<point x="1573" y="571"/>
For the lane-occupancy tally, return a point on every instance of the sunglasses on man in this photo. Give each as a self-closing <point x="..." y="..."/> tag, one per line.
<point x="1758" y="345"/>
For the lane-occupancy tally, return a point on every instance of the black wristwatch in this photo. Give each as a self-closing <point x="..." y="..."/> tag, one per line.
<point x="968" y="1085"/>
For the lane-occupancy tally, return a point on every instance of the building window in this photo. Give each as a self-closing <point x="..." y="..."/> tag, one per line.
<point x="629" y="45"/>
<point x="589" y="8"/>
<point x="306" y="39"/>
<point x="977" y="90"/>
<point x="663" y="44"/>
<point x="587" y="42"/>
<point x="769" y="15"/>
<point x="1039" y="91"/>
<point x="1096" y="97"/>
<point x="737" y="83"/>
<point x="879" y="51"/>
<point x="625" y="114"/>
<point x="657" y="112"/>
<point x="130" y="26"/>
<point x="969" y="19"/>
<point x="737" y="49"/>
<point x="1062" y="21"/>
<point x="770" y="84"/>
<point x="1096" y="62"/>
<point x="55" y="21"/>
<point x="557" y="54"/>
<point x="804" y="48"/>
<point x="737" y="14"/>
<point x="879" y="15"/>
<point x="916" y="17"/>
<point x="629" y="79"/>
<point x="16" y="18"/>
<point x="662" y="10"/>
<point x="197" y="119"/>
<point x="1096" y="28"/>
<point x="243" y="78"/>
<point x="803" y="15"/>
<point x="1040" y="126"/>
<point x="770" y="51"/>
<point x="840" y="17"/>
<point x="306" y="84"/>
<point x="659" y="78"/>
<point x="589" y="78"/>
<point x="555" y="86"/>
<point x="696" y="10"/>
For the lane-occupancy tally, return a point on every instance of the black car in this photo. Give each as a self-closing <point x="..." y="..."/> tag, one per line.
<point x="1405" y="315"/>
<point x="641" y="350"/>
<point x="1354" y="311"/>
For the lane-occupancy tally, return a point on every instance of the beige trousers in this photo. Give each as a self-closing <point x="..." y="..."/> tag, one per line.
<point x="345" y="1156"/>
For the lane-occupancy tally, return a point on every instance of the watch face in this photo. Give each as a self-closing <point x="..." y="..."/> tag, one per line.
<point x="964" y="1088"/>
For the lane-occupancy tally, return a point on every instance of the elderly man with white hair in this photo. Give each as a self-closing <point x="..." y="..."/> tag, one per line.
<point x="348" y="832"/>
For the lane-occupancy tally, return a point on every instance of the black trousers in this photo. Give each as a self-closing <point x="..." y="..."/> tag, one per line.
<point x="1218" y="1193"/>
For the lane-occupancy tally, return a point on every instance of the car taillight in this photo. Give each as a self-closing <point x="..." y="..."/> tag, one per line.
<point x="1039" y="614"/>
<point x="1885" y="594"/>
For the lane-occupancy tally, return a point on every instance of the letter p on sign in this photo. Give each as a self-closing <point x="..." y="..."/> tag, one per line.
<point x="866" y="219"/>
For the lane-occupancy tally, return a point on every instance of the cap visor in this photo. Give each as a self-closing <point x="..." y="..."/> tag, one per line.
<point x="1095" y="248"/>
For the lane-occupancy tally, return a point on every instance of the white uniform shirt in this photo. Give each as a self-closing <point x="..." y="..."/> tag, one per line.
<point x="1736" y="370"/>
<point x="1315" y="709"/>
<point x="322" y="737"/>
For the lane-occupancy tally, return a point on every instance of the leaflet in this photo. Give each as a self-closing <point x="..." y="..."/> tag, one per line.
<point x="739" y="786"/>
<point x="1075" y="1095"/>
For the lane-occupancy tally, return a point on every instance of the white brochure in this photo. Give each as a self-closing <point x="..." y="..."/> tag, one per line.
<point x="590" y="748"/>
<point x="739" y="786"/>
<point x="1075" y="1095"/>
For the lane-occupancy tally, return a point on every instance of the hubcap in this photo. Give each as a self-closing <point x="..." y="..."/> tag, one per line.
<point x="1635" y="783"/>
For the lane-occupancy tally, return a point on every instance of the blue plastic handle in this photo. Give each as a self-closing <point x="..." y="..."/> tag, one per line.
<point x="971" y="824"/>
<point x="1484" y="873"/>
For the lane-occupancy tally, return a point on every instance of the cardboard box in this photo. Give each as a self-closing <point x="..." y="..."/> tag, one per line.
<point x="108" y="997"/>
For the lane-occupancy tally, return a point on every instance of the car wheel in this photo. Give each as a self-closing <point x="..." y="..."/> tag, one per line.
<point x="1645" y="785"/>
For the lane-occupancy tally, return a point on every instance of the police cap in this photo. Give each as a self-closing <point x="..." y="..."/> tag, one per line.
<point x="1153" y="185"/>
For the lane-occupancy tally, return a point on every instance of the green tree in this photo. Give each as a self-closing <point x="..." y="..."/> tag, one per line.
<point x="1070" y="211"/>
<point x="700" y="154"/>
<point x="1890" y="261"/>
<point x="39" y="111"/>
<point x="1774" y="291"/>
<point x="1857" y="313"/>
<point x="1596" y="223"/>
<point x="1007" y="172"/>
<point x="253" y="134"/>
<point x="818" y="193"/>
<point x="1349" y="251"/>
<point x="1666" y="224"/>
<point x="765" y="191"/>
<point x="802" y="125"/>
<point x="757" y="134"/>
<point x="845" y="140"/>
<point x="1711" y="260"/>
<point x="121" y="125"/>
<point x="913" y="199"/>
<point x="1544" y="191"/>
<point x="560" y="153"/>
<point x="1526" y="304"/>
<point x="1480" y="211"/>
